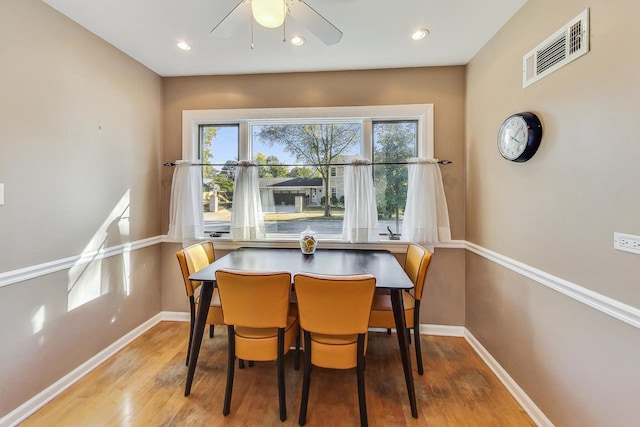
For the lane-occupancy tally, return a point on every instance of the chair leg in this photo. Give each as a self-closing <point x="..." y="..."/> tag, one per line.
<point x="210" y="331"/>
<point x="306" y="379"/>
<point x="282" y="400"/>
<point x="388" y="331"/>
<point x="416" y="336"/>
<point x="192" y="322"/>
<point x="362" y="400"/>
<point x="230" y="370"/>
<point x="241" y="363"/>
<point x="297" y="355"/>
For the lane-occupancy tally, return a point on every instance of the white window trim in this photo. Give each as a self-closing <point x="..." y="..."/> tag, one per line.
<point x="192" y="119"/>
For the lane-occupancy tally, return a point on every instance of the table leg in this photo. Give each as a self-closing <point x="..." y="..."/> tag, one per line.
<point x="198" y="331"/>
<point x="401" y="330"/>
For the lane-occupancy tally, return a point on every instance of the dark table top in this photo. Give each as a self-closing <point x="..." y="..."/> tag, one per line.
<point x="381" y="264"/>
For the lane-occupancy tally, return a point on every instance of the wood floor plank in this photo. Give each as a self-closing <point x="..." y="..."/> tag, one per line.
<point x="143" y="385"/>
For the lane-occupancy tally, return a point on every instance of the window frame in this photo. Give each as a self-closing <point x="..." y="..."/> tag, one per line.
<point x="365" y="115"/>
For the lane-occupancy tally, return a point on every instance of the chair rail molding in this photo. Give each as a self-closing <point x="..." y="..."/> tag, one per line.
<point x="602" y="303"/>
<point x="31" y="272"/>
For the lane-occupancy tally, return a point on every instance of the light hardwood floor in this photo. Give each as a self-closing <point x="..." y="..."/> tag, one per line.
<point x="143" y="385"/>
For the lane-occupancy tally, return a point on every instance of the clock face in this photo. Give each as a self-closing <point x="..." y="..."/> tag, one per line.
<point x="519" y="137"/>
<point x="512" y="139"/>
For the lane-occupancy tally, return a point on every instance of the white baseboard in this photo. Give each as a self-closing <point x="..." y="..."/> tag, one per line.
<point x="438" y="330"/>
<point x="512" y="387"/>
<point x="38" y="401"/>
<point x="175" y="316"/>
<point x="442" y="330"/>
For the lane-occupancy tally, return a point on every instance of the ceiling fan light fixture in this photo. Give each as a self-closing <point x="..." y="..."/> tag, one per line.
<point x="420" y="33"/>
<point x="269" y="13"/>
<point x="297" y="40"/>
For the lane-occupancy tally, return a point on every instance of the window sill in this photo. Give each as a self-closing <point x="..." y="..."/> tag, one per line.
<point x="391" y="246"/>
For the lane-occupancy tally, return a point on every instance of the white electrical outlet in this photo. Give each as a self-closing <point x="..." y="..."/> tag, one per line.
<point x="626" y="242"/>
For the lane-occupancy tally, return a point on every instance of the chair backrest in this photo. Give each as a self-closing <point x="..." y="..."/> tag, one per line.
<point x="193" y="259"/>
<point x="416" y="266"/>
<point x="334" y="305"/>
<point x="254" y="299"/>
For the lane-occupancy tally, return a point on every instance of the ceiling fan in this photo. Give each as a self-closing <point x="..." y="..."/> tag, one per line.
<point x="272" y="14"/>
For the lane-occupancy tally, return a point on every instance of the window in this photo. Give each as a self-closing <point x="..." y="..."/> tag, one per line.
<point x="393" y="142"/>
<point x="295" y="150"/>
<point x="219" y="147"/>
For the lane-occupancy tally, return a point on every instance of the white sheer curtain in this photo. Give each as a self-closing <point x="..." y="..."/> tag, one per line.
<point x="185" y="210"/>
<point x="247" y="222"/>
<point x="426" y="216"/>
<point x="360" y="211"/>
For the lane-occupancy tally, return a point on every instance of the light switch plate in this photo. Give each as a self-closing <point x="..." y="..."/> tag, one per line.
<point x="1" y="194"/>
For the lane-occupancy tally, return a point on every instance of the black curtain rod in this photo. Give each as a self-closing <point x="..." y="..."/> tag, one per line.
<point x="442" y="162"/>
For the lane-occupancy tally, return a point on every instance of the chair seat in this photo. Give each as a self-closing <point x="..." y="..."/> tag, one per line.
<point x="335" y="351"/>
<point x="383" y="301"/>
<point x="257" y="333"/>
<point x="334" y="339"/>
<point x="382" y="311"/>
<point x="215" y="316"/>
<point x="260" y="344"/>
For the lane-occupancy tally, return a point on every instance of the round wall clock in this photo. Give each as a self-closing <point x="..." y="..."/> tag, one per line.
<point x="519" y="136"/>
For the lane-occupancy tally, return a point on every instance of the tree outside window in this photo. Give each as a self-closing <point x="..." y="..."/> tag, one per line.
<point x="393" y="142"/>
<point x="314" y="144"/>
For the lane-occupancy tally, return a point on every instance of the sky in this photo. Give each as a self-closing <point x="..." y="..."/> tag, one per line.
<point x="225" y="147"/>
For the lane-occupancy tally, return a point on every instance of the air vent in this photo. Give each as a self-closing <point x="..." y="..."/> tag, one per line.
<point x="568" y="43"/>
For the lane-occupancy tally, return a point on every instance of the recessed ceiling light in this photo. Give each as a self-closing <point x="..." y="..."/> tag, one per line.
<point x="184" y="45"/>
<point x="420" y="33"/>
<point x="297" y="40"/>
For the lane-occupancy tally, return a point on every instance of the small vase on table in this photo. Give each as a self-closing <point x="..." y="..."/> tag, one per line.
<point x="308" y="241"/>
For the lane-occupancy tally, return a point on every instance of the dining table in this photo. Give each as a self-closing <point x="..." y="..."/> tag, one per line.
<point x="383" y="265"/>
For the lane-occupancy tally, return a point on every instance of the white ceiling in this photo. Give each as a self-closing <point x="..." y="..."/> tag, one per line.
<point x="376" y="34"/>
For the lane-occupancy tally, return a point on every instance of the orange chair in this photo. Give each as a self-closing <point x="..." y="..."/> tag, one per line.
<point x="416" y="266"/>
<point x="193" y="259"/>
<point x="260" y="323"/>
<point x="334" y="316"/>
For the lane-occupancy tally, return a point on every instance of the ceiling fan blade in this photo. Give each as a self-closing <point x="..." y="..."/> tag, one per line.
<point x="316" y="23"/>
<point x="227" y="26"/>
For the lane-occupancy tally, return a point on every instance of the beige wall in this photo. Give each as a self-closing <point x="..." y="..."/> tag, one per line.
<point x="80" y="156"/>
<point x="442" y="86"/>
<point x="88" y="128"/>
<point x="558" y="212"/>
